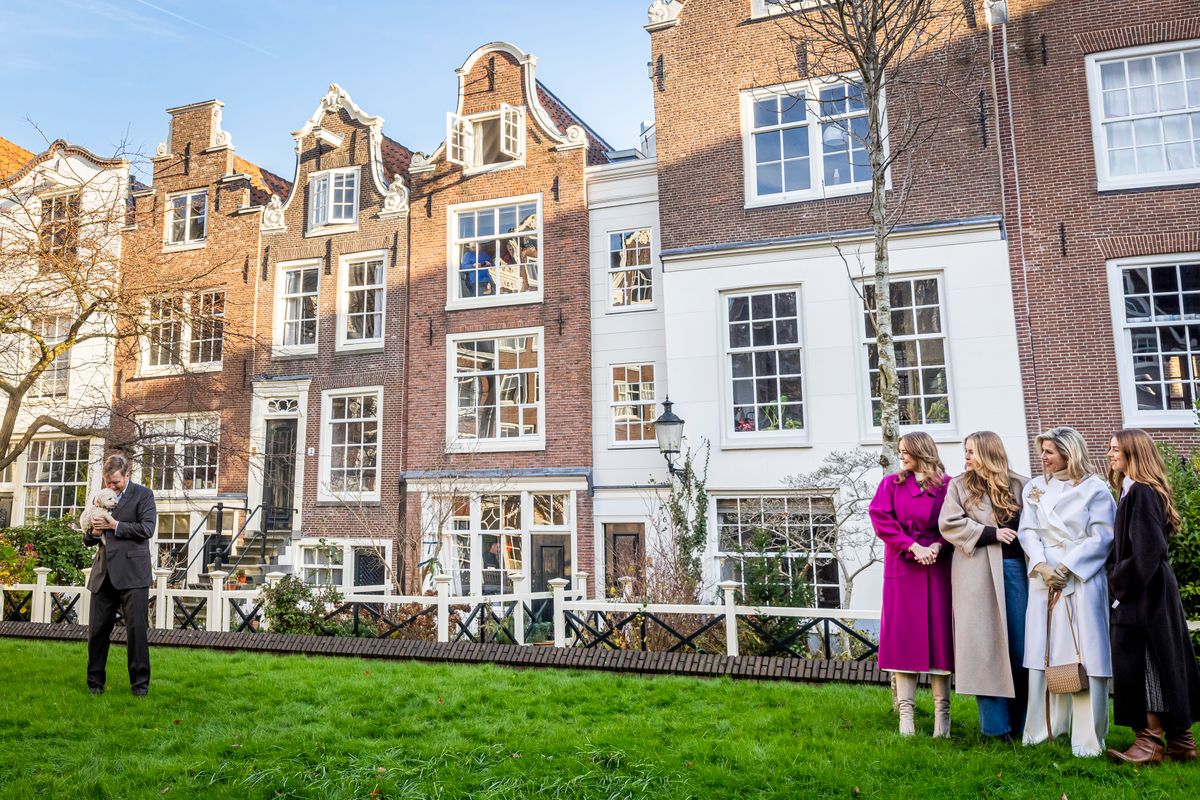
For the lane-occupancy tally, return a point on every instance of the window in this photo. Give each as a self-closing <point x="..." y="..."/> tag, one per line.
<point x="496" y="251"/>
<point x="208" y="327"/>
<point x="764" y="352"/>
<point x="172" y="542"/>
<point x="630" y="276"/>
<point x="362" y="302"/>
<point x="805" y="141"/>
<point x="920" y="342"/>
<point x="766" y="8"/>
<point x="57" y="232"/>
<point x="180" y="454"/>
<point x="322" y="564"/>
<point x="486" y="140"/>
<point x="299" y="288"/>
<point x="185" y="331"/>
<point x="496" y="388"/>
<point x="187" y="217"/>
<point x="779" y="548"/>
<point x="550" y="510"/>
<point x="1146" y="115"/>
<point x="350" y="443"/>
<point x="633" y="402"/>
<point x="1160" y="333"/>
<point x="333" y="198"/>
<point x="351" y="565"/>
<point x="500" y="542"/>
<point x="55" y="381"/>
<point x="56" y="478"/>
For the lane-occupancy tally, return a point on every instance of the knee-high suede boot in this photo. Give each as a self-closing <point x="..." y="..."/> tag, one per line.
<point x="941" y="706"/>
<point x="906" y="698"/>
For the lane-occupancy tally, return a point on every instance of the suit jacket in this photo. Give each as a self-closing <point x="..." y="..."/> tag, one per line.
<point x="125" y="556"/>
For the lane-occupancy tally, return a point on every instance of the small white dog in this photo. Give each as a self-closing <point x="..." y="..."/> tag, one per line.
<point x="102" y="504"/>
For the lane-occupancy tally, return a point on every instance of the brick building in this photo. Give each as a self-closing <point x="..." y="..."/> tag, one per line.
<point x="1102" y="162"/>
<point x="497" y="463"/>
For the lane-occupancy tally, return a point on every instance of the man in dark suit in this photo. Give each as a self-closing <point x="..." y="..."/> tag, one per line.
<point x="121" y="577"/>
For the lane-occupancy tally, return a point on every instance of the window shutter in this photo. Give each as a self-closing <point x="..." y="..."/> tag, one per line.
<point x="460" y="147"/>
<point x="512" y="131"/>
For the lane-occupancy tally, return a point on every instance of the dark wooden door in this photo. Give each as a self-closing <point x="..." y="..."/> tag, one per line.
<point x="279" y="475"/>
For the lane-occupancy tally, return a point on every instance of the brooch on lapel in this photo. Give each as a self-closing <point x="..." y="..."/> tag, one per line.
<point x="1035" y="493"/>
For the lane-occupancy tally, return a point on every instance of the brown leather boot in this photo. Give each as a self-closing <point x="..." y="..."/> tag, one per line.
<point x="1147" y="747"/>
<point x="1181" y="747"/>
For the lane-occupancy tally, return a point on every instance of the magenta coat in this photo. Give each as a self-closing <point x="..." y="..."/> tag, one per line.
<point x="917" y="629"/>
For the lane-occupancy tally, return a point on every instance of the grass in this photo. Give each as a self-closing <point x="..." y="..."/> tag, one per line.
<point x="219" y="725"/>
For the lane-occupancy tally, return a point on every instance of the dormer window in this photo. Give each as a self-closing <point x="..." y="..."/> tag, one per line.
<point x="333" y="199"/>
<point x="486" y="140"/>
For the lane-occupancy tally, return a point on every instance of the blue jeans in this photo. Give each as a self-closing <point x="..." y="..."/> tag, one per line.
<point x="998" y="714"/>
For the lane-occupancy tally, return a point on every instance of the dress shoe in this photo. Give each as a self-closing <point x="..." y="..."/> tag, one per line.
<point x="96" y="689"/>
<point x="1181" y="747"/>
<point x="139" y="692"/>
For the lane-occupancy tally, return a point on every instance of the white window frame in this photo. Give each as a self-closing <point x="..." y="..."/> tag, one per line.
<point x="278" y="348"/>
<point x="463" y="139"/>
<point x="1133" y="416"/>
<point x="325" y="492"/>
<point x="613" y="404"/>
<point x="941" y="432"/>
<point x="347" y="546"/>
<point x="177" y="442"/>
<point x="318" y="224"/>
<point x="57" y="370"/>
<point x="453" y="279"/>
<point x="187" y="242"/>
<point x="1093" y="63"/>
<point x="736" y="440"/>
<point x="817" y="189"/>
<point x="81" y="488"/>
<point x="344" y="343"/>
<point x="186" y="328"/>
<point x="610" y="271"/>
<point x="454" y="443"/>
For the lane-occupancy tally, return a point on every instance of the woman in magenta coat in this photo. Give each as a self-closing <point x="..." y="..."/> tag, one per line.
<point x="916" y="629"/>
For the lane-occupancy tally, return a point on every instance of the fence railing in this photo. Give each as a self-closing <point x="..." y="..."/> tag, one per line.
<point x="561" y="617"/>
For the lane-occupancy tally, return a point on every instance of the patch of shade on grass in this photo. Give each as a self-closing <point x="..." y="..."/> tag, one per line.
<point x="221" y="725"/>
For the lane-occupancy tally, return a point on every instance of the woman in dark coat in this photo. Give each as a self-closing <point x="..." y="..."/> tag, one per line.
<point x="1156" y="682"/>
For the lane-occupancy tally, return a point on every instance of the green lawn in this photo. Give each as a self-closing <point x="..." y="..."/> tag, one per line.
<point x="220" y="725"/>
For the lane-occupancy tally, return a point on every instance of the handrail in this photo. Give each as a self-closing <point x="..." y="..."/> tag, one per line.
<point x="233" y="536"/>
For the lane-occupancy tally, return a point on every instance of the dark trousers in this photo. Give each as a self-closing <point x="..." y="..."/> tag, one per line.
<point x="134" y="605"/>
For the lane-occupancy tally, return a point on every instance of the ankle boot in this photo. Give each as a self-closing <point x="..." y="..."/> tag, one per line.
<point x="906" y="696"/>
<point x="1181" y="747"/>
<point x="941" y="706"/>
<point x="1147" y="747"/>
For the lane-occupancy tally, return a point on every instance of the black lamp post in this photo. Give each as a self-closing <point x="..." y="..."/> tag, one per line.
<point x="669" y="430"/>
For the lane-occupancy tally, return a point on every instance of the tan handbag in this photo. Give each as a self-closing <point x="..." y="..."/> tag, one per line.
<point x="1063" y="678"/>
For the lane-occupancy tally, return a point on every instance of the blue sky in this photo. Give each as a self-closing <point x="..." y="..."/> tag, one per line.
<point x="99" y="72"/>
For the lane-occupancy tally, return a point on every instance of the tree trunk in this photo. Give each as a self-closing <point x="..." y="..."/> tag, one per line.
<point x="889" y="390"/>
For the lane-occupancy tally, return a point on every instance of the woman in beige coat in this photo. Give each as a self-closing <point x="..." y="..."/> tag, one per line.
<point x="988" y="578"/>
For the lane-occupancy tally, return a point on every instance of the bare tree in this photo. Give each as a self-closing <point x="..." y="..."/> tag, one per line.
<point x="912" y="50"/>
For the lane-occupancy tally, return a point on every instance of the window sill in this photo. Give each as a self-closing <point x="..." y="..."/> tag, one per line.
<point x="495" y="445"/>
<point x="648" y="445"/>
<point x="173" y="371"/>
<point x="328" y="502"/>
<point x="180" y="247"/>
<point x="847" y="190"/>
<point x="615" y="310"/>
<point x="495" y="301"/>
<point x="940" y="435"/>
<point x="500" y="166"/>
<point x="281" y="353"/>
<point x="768" y="440"/>
<point x="1181" y="180"/>
<point x="357" y="348"/>
<point x="1159" y="419"/>
<point x="331" y="230"/>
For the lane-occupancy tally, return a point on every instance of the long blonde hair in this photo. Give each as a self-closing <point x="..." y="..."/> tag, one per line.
<point x="1143" y="464"/>
<point x="990" y="475"/>
<point x="1070" y="444"/>
<point x="921" y="447"/>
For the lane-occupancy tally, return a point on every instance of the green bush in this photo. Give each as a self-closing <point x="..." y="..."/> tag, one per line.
<point x="292" y="606"/>
<point x="57" y="545"/>
<point x="1184" y="477"/>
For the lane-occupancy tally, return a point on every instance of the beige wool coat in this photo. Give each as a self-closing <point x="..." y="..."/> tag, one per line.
<point x="981" y="665"/>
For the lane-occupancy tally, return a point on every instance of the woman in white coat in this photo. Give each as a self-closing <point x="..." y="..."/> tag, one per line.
<point x="1066" y="532"/>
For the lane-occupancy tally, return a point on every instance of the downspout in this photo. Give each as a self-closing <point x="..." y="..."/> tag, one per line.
<point x="402" y="520"/>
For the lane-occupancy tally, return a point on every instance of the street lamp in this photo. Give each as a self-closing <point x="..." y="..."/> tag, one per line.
<point x="669" y="430"/>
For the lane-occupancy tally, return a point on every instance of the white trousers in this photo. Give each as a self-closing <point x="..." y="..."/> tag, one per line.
<point x="1084" y="714"/>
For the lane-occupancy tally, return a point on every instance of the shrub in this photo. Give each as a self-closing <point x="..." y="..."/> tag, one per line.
<point x="56" y="545"/>
<point x="292" y="606"/>
<point x="16" y="563"/>
<point x="1184" y="477"/>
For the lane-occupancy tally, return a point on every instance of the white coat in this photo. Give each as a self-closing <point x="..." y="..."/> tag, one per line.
<point x="1070" y="524"/>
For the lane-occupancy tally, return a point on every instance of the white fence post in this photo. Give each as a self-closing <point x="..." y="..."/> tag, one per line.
<point x="272" y="579"/>
<point x="40" y="605"/>
<point x="731" y="639"/>
<point x="559" y="587"/>
<point x="442" y="583"/>
<point x="85" y="598"/>
<point x="215" y="619"/>
<point x="581" y="585"/>
<point x="518" y="615"/>
<point x="161" y="601"/>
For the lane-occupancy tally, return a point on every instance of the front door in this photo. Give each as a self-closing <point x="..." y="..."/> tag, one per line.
<point x="551" y="559"/>
<point x="624" y="544"/>
<point x="279" y="474"/>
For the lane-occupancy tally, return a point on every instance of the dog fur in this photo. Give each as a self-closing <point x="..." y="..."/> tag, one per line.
<point x="102" y="503"/>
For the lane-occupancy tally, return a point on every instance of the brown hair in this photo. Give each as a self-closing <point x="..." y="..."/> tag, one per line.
<point x="1143" y="464"/>
<point x="921" y="447"/>
<point x="990" y="475"/>
<point x="116" y="463"/>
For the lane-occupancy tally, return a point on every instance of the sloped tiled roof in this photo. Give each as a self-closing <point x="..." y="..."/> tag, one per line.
<point x="396" y="158"/>
<point x="263" y="183"/>
<point x="564" y="118"/>
<point x="12" y="157"/>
